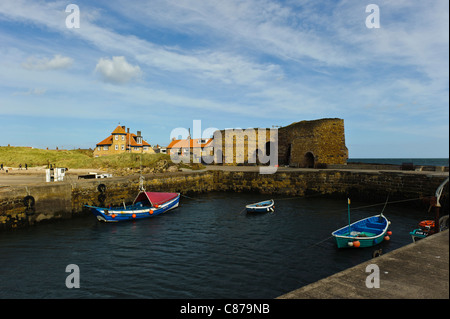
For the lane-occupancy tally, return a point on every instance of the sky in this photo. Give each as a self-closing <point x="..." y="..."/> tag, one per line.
<point x="155" y="66"/>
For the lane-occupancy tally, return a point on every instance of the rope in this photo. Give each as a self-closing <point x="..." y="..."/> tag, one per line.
<point x="188" y="197"/>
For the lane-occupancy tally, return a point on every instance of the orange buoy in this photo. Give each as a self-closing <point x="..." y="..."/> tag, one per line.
<point x="134" y="215"/>
<point x="356" y="244"/>
<point x="387" y="238"/>
<point x="151" y="212"/>
<point x="389" y="233"/>
<point x="113" y="215"/>
<point x="156" y="205"/>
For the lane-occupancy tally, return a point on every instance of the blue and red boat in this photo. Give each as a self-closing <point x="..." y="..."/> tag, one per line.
<point x="146" y="204"/>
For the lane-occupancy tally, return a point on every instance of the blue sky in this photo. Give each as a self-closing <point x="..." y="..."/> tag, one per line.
<point x="158" y="65"/>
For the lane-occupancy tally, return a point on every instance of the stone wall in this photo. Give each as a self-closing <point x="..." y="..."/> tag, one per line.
<point x="312" y="143"/>
<point x="301" y="144"/>
<point x="63" y="200"/>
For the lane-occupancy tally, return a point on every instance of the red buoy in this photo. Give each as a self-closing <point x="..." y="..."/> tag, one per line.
<point x="389" y="233"/>
<point x="356" y="244"/>
<point x="387" y="238"/>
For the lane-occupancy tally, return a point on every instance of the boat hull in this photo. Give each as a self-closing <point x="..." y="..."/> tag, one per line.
<point x="366" y="232"/>
<point x="118" y="214"/>
<point x="261" y="207"/>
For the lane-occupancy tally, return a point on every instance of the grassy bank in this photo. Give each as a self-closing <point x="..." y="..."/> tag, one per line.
<point x="13" y="156"/>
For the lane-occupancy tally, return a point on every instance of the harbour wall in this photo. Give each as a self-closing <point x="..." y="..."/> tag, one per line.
<point x="22" y="206"/>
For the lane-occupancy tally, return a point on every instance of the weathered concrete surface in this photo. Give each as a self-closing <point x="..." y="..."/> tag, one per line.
<point x="416" y="271"/>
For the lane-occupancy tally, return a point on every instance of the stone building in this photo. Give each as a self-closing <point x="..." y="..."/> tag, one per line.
<point x="121" y="141"/>
<point x="312" y="143"/>
<point x="301" y="144"/>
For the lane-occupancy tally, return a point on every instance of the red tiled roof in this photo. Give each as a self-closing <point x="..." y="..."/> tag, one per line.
<point x="130" y="138"/>
<point x="106" y="141"/>
<point x="191" y="143"/>
<point x="119" y="130"/>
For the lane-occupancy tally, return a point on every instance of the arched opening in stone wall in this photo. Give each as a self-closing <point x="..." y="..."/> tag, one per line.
<point x="309" y="160"/>
<point x="288" y="154"/>
<point x="268" y="148"/>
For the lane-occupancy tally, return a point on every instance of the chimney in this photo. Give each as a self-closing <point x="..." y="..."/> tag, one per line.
<point x="128" y="130"/>
<point x="138" y="133"/>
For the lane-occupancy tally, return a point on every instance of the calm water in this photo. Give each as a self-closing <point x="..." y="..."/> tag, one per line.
<point x="207" y="248"/>
<point x="400" y="161"/>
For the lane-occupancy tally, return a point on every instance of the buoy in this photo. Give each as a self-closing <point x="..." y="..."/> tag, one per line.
<point x="156" y="205"/>
<point x="151" y="212"/>
<point x="389" y="233"/>
<point x="350" y="244"/>
<point x="387" y="238"/>
<point x="356" y="244"/>
<point x="113" y="215"/>
<point x="134" y="215"/>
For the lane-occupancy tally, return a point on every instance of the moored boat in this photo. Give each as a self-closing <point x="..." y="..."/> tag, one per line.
<point x="146" y="204"/>
<point x="366" y="232"/>
<point x="261" y="207"/>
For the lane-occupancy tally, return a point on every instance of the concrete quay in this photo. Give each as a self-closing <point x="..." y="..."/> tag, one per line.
<point x="416" y="271"/>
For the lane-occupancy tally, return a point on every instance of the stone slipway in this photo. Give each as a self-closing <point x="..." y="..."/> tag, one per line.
<point x="416" y="271"/>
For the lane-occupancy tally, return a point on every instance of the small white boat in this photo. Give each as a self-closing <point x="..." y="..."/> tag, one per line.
<point x="261" y="207"/>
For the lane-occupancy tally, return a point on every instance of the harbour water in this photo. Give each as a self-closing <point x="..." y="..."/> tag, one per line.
<point x="209" y="247"/>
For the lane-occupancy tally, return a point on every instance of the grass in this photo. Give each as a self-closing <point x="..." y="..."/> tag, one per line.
<point x="13" y="156"/>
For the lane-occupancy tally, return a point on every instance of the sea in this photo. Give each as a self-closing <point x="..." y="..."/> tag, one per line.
<point x="400" y="161"/>
<point x="208" y="248"/>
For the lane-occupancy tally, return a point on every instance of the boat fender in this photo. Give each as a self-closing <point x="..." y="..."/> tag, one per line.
<point x="389" y="232"/>
<point x="387" y="238"/>
<point x="113" y="215"/>
<point x="134" y="215"/>
<point x="356" y="244"/>
<point x="350" y="244"/>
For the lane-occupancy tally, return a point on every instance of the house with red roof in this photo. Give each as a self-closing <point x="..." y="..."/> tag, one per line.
<point x="121" y="141"/>
<point x="193" y="148"/>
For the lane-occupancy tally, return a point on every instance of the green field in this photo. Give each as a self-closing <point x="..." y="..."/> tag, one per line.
<point x="13" y="156"/>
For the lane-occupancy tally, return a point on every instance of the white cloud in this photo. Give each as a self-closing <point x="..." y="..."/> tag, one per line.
<point x="57" y="62"/>
<point x="117" y="70"/>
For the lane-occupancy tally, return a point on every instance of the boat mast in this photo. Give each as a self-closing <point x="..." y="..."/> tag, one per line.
<point x="349" y="227"/>
<point x="141" y="177"/>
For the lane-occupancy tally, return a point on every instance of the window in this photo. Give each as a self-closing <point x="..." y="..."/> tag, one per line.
<point x="116" y="137"/>
<point x="99" y="148"/>
<point x="117" y="147"/>
<point x="123" y="147"/>
<point x="123" y="137"/>
<point x="145" y="148"/>
<point x="105" y="148"/>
